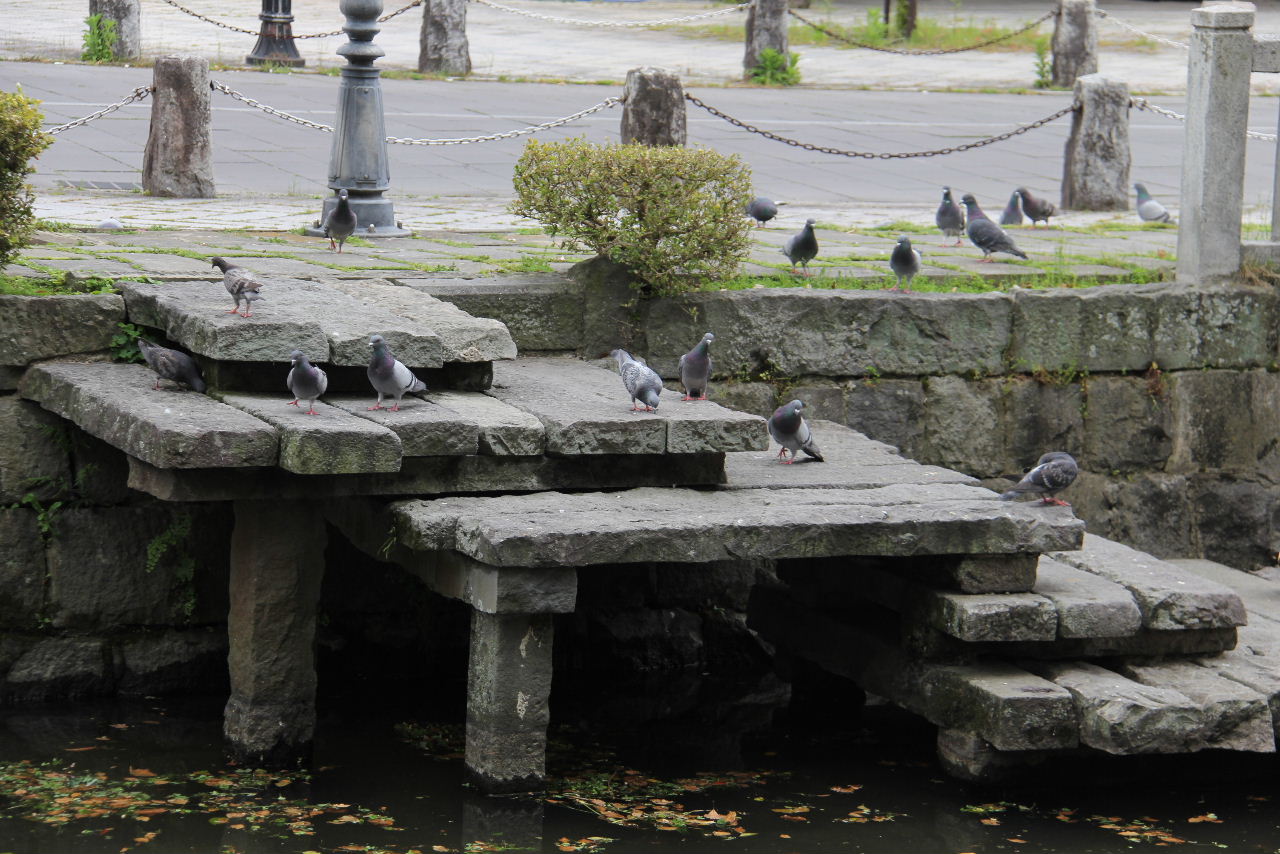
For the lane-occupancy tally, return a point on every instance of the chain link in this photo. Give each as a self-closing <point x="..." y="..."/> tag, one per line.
<point x="1146" y="35"/>
<point x="912" y="51"/>
<point x="1144" y="104"/>
<point x="882" y="155"/>
<point x="136" y="95"/>
<point x="621" y="24"/>
<point x="234" y="28"/>
<point x="240" y="96"/>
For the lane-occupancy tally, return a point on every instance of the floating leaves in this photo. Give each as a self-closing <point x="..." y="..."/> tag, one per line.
<point x="864" y="814"/>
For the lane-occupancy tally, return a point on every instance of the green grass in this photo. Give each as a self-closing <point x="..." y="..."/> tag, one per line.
<point x="56" y="283"/>
<point x="930" y="33"/>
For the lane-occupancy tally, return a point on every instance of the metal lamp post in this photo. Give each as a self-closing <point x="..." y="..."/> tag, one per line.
<point x="358" y="158"/>
<point x="275" y="36"/>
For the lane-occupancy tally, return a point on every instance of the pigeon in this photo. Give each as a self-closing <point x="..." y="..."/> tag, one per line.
<point x="389" y="376"/>
<point x="340" y="223"/>
<point x="762" y="210"/>
<point x="802" y="247"/>
<point x="243" y="285"/>
<point x="641" y="382"/>
<point x="949" y="217"/>
<point x="306" y="381"/>
<point x="985" y="234"/>
<point x="789" y="429"/>
<point x="1036" y="209"/>
<point x="695" y="369"/>
<point x="1053" y="473"/>
<point x="905" y="261"/>
<point x="1149" y="210"/>
<point x="1012" y="212"/>
<point x="171" y="365"/>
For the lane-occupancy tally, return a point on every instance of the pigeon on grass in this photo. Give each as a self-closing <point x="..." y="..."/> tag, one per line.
<point x="340" y="223"/>
<point x="985" y="234"/>
<point x="640" y="381"/>
<point x="305" y="381"/>
<point x="905" y="263"/>
<point x="243" y="285"/>
<point x="789" y="429"/>
<point x="389" y="376"/>
<point x="802" y="247"/>
<point x="950" y="218"/>
<point x="171" y="365"/>
<point x="695" y="369"/>
<point x="1012" y="212"/>
<point x="1053" y="472"/>
<point x="762" y="210"/>
<point x="1035" y="208"/>
<point x="1149" y="210"/>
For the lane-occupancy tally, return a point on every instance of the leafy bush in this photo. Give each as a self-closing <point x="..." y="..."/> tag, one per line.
<point x="99" y="39"/>
<point x="775" y="69"/>
<point x="672" y="216"/>
<point x="21" y="140"/>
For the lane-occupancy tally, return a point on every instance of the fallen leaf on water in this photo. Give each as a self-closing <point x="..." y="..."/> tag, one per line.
<point x="789" y="810"/>
<point x="784" y="835"/>
<point x="285" y="782"/>
<point x="141" y="772"/>
<point x="794" y="818"/>
<point x="80" y="749"/>
<point x="844" y="790"/>
<point x="1016" y="839"/>
<point x="1196" y="819"/>
<point x="990" y="821"/>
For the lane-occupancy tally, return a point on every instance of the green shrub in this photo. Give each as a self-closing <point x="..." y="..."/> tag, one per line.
<point x="775" y="69"/>
<point x="21" y="140"/>
<point x="672" y="216"/>
<point x="99" y="39"/>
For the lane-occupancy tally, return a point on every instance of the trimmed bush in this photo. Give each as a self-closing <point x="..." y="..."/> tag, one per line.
<point x="671" y="216"/>
<point x="21" y="140"/>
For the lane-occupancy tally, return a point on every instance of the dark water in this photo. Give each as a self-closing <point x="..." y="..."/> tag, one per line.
<point x="1081" y="807"/>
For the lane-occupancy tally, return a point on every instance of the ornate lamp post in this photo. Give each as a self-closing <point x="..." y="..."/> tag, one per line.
<point x="275" y="36"/>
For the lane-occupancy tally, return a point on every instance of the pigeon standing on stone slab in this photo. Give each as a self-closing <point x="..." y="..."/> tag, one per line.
<point x="802" y="247"/>
<point x="950" y="218"/>
<point x="1036" y="209"/>
<point x="171" y="365"/>
<point x="1149" y="210"/>
<point x="340" y="223"/>
<point x="640" y="381"/>
<point x="243" y="285"/>
<point x="789" y="429"/>
<point x="762" y="210"/>
<point x="389" y="376"/>
<point x="1012" y="212"/>
<point x="985" y="234"/>
<point x="1054" y="472"/>
<point x="305" y="381"/>
<point x="905" y="262"/>
<point x="695" y="369"/>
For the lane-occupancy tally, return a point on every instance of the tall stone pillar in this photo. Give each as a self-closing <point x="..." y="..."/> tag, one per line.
<point x="442" y="44"/>
<point x="127" y="15"/>
<point x="653" y="108"/>
<point x="1095" y="171"/>
<point x="1075" y="42"/>
<point x="178" y="160"/>
<point x="766" y="28"/>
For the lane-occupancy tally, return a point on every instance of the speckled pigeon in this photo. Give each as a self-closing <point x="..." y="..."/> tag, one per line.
<point x="985" y="234"/>
<point x="1054" y="472"/>
<point x="1035" y="208"/>
<point x="695" y="369"/>
<point x="802" y="247"/>
<point x="171" y="365"/>
<point x="640" y="381"/>
<point x="789" y="429"/>
<point x="306" y="381"/>
<point x="341" y="222"/>
<point x="1149" y="210"/>
<point x="389" y="376"/>
<point x="1012" y="212"/>
<point x="950" y="218"/>
<point x="762" y="210"/>
<point x="243" y="285"/>
<point x="905" y="262"/>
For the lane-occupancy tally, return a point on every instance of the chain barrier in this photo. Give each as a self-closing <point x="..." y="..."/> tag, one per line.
<point x="1146" y="35"/>
<point x="1144" y="104"/>
<point x="136" y="95"/>
<point x="904" y="51"/>
<point x="271" y="111"/>
<point x="620" y="24"/>
<point x="236" y="29"/>
<point x="882" y="155"/>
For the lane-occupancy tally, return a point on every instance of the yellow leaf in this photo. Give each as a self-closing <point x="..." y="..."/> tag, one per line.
<point x="1016" y="839"/>
<point x="990" y="821"/>
<point x="141" y="772"/>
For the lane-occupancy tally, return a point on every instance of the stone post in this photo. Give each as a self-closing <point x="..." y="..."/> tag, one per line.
<point x="1075" y="42"/>
<point x="1220" y="61"/>
<point x="442" y="44"/>
<point x="178" y="160"/>
<point x="508" y="700"/>
<point x="653" y="108"/>
<point x="277" y="561"/>
<point x="128" y="17"/>
<point x="766" y="28"/>
<point x="1095" y="171"/>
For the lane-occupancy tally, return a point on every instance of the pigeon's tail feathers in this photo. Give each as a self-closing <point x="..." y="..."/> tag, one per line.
<point x="1010" y="495"/>
<point x="417" y="387"/>
<point x="1013" y="250"/>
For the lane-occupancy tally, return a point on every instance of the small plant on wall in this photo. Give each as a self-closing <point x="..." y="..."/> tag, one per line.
<point x="99" y="39"/>
<point x="776" y="69"/>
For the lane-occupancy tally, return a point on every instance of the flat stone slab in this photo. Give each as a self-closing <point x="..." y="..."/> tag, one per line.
<point x="1168" y="596"/>
<point x="1011" y="708"/>
<point x="425" y="428"/>
<point x="167" y="428"/>
<point x="502" y="429"/>
<point x="1261" y="595"/>
<point x="1235" y="717"/>
<point x="1088" y="605"/>
<point x="33" y="328"/>
<point x="330" y="442"/>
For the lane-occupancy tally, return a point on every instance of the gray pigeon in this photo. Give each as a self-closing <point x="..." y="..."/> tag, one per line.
<point x="306" y="381"/>
<point x="905" y="262"/>
<point x="985" y="234"/>
<point x="171" y="365"/>
<point x="1035" y="208"/>
<point x="802" y="247"/>
<point x="340" y="223"/>
<point x="950" y="218"/>
<point x="641" y="382"/>
<point x="762" y="210"/>
<point x="389" y="376"/>
<point x="789" y="429"/>
<point x="1149" y="210"/>
<point x="1012" y="212"/>
<point x="243" y="285"/>
<point x="695" y="369"/>
<point x="1054" y="472"/>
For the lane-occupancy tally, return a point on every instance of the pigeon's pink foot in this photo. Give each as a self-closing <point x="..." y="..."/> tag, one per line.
<point x="958" y="243"/>
<point x="788" y="462"/>
<point x="687" y="397"/>
<point x="156" y="387"/>
<point x="312" y="410"/>
<point x="332" y="245"/>
<point x="377" y="406"/>
<point x="235" y="310"/>
<point x="1057" y="502"/>
<point x="986" y="261"/>
<point x="294" y="403"/>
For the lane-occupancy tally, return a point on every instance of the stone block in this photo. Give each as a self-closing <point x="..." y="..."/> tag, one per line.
<point x="990" y="573"/>
<point x="607" y="296"/>
<point x="703" y="427"/>
<point x="1151" y="512"/>
<point x="1236" y="520"/>
<point x="22" y="569"/>
<point x="1145" y="642"/>
<point x="1260" y="593"/>
<point x="1264" y="401"/>
<point x="1235" y="716"/>
<point x="425" y="428"/>
<point x="954" y="407"/>
<point x="33" y="328"/>
<point x="757" y="398"/>
<point x="1011" y="708"/>
<point x="127" y="16"/>
<point x="101" y="471"/>
<point x="1075" y="50"/>
<point x="1088" y="605"/>
<point x="1004" y="617"/>
<point x="174" y="662"/>
<point x="442" y="43"/>
<point x="1129" y="426"/>
<point x="1040" y="416"/>
<point x="766" y="30"/>
<point x="502" y="430"/>
<point x="542" y="311"/>
<point x="9" y="376"/>
<point x="178" y="159"/>
<point x="59" y="669"/>
<point x="1095" y="172"/>
<point x="35" y="456"/>
<point x="889" y="411"/>
<point x="824" y="400"/>
<point x="966" y="756"/>
<point x="1213" y="422"/>
<point x="653" y="108"/>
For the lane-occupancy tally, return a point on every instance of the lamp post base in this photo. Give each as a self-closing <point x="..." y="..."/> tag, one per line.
<point x="372" y="212"/>
<point x="276" y="44"/>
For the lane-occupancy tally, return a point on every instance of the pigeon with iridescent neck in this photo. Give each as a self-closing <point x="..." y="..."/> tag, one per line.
<point x="171" y="365"/>
<point x="1149" y="210"/>
<point x="640" y="381"/>
<point x="789" y="429"/>
<point x="950" y="218"/>
<point x="306" y="381"/>
<point x="985" y="234"/>
<point x="340" y="223"/>
<point x="243" y="285"/>
<point x="1012" y="214"/>
<point x="762" y="210"/>
<point x="389" y="376"/>
<point x="802" y="247"/>
<point x="1053" y="472"/>
<point x="905" y="263"/>
<point x="695" y="369"/>
<point x="1036" y="208"/>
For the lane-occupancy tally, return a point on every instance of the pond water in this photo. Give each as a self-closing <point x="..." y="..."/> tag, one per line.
<point x="151" y="777"/>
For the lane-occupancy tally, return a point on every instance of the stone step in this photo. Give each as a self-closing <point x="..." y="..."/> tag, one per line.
<point x="502" y="430"/>
<point x="1236" y="717"/>
<point x="425" y="428"/>
<point x="1261" y="595"/>
<point x="1088" y="605"/>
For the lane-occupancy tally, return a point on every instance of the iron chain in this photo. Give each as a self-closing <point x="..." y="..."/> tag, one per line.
<point x="1144" y="104"/>
<point x="1146" y="35"/>
<point x="234" y="28"/>
<point x="904" y="51"/>
<point x="882" y="155"/>
<point x="136" y="95"/>
<point x="240" y="96"/>
<point x="621" y="24"/>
